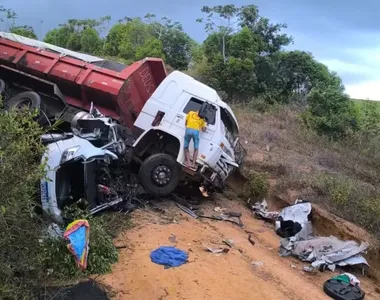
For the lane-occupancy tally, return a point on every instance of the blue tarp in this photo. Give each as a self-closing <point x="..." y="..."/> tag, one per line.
<point x="168" y="256"/>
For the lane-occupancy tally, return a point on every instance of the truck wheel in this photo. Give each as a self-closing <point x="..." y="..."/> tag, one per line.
<point x="29" y="100"/>
<point x="159" y="174"/>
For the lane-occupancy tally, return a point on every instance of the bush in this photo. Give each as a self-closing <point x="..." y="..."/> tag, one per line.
<point x="257" y="184"/>
<point x="20" y="226"/>
<point x="331" y="113"/>
<point x="27" y="260"/>
<point x="338" y="189"/>
<point x="60" y="265"/>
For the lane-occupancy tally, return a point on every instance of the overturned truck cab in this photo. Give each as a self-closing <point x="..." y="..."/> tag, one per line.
<point x="78" y="167"/>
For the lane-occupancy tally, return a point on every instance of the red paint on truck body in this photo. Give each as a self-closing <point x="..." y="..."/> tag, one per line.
<point x="120" y="95"/>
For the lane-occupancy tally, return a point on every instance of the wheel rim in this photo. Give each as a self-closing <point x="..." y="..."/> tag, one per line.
<point x="24" y="103"/>
<point x="161" y="175"/>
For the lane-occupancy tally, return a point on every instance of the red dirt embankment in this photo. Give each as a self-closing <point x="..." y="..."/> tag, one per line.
<point x="245" y="272"/>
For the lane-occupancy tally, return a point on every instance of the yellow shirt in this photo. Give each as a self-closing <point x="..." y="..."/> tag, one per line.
<point x="193" y="121"/>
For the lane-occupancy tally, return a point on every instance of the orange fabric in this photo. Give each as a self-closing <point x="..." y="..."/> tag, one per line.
<point x="193" y="121"/>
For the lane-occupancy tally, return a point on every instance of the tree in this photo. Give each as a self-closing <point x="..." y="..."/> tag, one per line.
<point x="175" y="42"/>
<point x="152" y="47"/>
<point x="243" y="38"/>
<point x="10" y="17"/>
<point x="124" y="39"/>
<point x="331" y="112"/>
<point x="90" y="42"/>
<point x="24" y="30"/>
<point x="79" y="35"/>
<point x="272" y="40"/>
<point x="220" y="19"/>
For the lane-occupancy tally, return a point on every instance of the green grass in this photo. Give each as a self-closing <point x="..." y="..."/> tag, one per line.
<point x="360" y="102"/>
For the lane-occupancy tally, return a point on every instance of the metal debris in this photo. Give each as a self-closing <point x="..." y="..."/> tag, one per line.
<point x="251" y="240"/>
<point x="216" y="250"/>
<point x="256" y="263"/>
<point x="173" y="238"/>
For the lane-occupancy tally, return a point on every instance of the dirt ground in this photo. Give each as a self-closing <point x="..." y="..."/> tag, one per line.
<point x="245" y="272"/>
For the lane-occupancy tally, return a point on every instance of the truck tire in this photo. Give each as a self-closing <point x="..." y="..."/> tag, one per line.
<point x="159" y="174"/>
<point x="32" y="100"/>
<point x="29" y="99"/>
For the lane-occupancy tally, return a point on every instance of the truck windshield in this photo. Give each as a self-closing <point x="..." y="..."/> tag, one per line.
<point x="231" y="131"/>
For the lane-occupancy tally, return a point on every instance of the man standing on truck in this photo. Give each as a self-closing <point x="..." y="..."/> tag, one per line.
<point x="194" y="124"/>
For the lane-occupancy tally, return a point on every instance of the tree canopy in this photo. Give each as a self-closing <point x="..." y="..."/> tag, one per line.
<point x="244" y="56"/>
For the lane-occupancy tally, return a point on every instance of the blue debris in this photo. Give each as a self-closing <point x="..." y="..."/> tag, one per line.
<point x="168" y="256"/>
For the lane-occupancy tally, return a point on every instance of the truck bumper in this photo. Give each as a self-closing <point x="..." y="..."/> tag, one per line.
<point x="212" y="178"/>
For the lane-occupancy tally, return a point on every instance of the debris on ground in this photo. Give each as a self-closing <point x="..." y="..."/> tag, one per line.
<point x="187" y="210"/>
<point x="292" y="224"/>
<point x="54" y="231"/>
<point x="344" y="287"/>
<point x="216" y="250"/>
<point x="168" y="256"/>
<point x="173" y="238"/>
<point x="260" y="209"/>
<point x="330" y="251"/>
<point x="308" y="269"/>
<point x="349" y="278"/>
<point x="229" y="243"/>
<point x="218" y="209"/>
<point x="223" y="217"/>
<point x="78" y="233"/>
<point x="257" y="263"/>
<point x="251" y="240"/>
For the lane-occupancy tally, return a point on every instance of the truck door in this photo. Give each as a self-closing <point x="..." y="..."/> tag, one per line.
<point x="191" y="103"/>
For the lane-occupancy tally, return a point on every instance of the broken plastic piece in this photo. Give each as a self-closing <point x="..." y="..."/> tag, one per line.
<point x="216" y="250"/>
<point x="257" y="263"/>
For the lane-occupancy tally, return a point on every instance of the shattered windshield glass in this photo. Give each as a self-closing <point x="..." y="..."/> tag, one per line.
<point x="231" y="131"/>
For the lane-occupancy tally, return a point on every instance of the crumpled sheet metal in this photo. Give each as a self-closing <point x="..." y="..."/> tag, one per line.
<point x="330" y="250"/>
<point x="297" y="212"/>
<point x="260" y="209"/>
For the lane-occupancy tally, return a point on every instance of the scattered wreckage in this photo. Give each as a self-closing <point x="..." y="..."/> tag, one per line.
<point x="294" y="226"/>
<point x="78" y="165"/>
<point x="141" y="101"/>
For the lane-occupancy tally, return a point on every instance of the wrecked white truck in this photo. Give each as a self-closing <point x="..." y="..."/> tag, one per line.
<point x="149" y="105"/>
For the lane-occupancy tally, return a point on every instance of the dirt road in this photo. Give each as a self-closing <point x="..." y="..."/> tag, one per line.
<point x="245" y="272"/>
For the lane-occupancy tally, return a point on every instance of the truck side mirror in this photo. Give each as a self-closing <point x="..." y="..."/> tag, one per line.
<point x="203" y="110"/>
<point x="207" y="111"/>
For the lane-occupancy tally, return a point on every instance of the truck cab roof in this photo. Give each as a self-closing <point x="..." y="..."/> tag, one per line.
<point x="200" y="90"/>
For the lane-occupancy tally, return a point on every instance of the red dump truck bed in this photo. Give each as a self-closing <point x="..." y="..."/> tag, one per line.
<point x="117" y="91"/>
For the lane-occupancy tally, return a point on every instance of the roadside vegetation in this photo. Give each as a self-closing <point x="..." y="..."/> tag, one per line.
<point x="300" y="129"/>
<point x="29" y="257"/>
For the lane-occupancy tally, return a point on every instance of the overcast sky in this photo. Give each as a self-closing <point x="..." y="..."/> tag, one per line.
<point x="343" y="35"/>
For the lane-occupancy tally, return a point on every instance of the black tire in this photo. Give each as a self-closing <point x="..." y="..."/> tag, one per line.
<point x="159" y="163"/>
<point x="32" y="100"/>
<point x="29" y="99"/>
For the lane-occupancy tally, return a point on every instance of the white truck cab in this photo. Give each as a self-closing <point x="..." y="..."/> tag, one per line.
<point x="163" y="119"/>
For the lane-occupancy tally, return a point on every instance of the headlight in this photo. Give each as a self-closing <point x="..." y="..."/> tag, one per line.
<point x="68" y="154"/>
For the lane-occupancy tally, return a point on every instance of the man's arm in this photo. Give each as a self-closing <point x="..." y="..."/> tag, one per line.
<point x="204" y="126"/>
